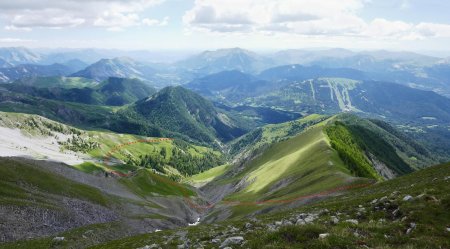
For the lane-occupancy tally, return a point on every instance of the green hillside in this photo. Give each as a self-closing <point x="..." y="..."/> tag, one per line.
<point x="39" y="192"/>
<point x="112" y="91"/>
<point x="172" y="112"/>
<point x="43" y="182"/>
<point x="107" y="151"/>
<point x="359" y="218"/>
<point x="180" y="110"/>
<point x="282" y="162"/>
<point x="57" y="81"/>
<point x="301" y="165"/>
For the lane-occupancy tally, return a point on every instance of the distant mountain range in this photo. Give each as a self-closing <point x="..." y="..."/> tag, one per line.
<point x="230" y="86"/>
<point x="407" y="68"/>
<point x="18" y="55"/>
<point x="32" y="70"/>
<point x="224" y="60"/>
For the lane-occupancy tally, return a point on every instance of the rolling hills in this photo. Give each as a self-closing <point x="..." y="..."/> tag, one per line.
<point x="406" y="212"/>
<point x="281" y="162"/>
<point x="277" y="174"/>
<point x="241" y="149"/>
<point x="180" y="110"/>
<point x="170" y="104"/>
<point x="332" y="95"/>
<point x="100" y="152"/>
<point x="111" y="92"/>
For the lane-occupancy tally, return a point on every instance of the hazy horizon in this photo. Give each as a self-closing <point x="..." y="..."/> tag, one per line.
<point x="188" y="52"/>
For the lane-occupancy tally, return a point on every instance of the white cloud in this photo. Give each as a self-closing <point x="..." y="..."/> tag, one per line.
<point x="302" y="17"/>
<point x="433" y="29"/>
<point x="156" y="22"/>
<point x="111" y="14"/>
<point x="310" y="16"/>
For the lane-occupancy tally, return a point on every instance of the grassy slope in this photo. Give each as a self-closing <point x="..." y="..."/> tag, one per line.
<point x="306" y="161"/>
<point x="316" y="160"/>
<point x="207" y="176"/>
<point x="146" y="184"/>
<point x="376" y="229"/>
<point x="37" y="126"/>
<point x="12" y="192"/>
<point x="260" y="139"/>
<point x="23" y="185"/>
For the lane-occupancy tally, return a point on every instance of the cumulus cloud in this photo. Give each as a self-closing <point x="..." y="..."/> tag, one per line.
<point x="110" y="14"/>
<point x="270" y="15"/>
<point x="302" y="17"/>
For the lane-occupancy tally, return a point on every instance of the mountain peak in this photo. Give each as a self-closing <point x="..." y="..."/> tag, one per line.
<point x="226" y="59"/>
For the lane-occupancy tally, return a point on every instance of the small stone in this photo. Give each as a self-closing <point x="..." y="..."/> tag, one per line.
<point x="278" y="223"/>
<point x="353" y="221"/>
<point x="253" y="219"/>
<point x="300" y="222"/>
<point x="407" y="198"/>
<point x="152" y="246"/>
<point x="287" y="223"/>
<point x="448" y="229"/>
<point x="58" y="239"/>
<point x="232" y="241"/>
<point x="412" y="225"/>
<point x="302" y="216"/>
<point x="374" y="201"/>
<point x="323" y="235"/>
<point x="383" y="199"/>
<point x="446" y="178"/>
<point x="248" y="225"/>
<point x="271" y="227"/>
<point x="334" y="220"/>
<point x="215" y="241"/>
<point x="420" y="196"/>
<point x="396" y="212"/>
<point x="309" y="219"/>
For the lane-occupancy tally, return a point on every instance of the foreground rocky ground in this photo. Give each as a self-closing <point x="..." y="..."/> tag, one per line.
<point x="407" y="212"/>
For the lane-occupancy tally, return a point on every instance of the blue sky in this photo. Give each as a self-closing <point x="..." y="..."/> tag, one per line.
<point x="208" y="24"/>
